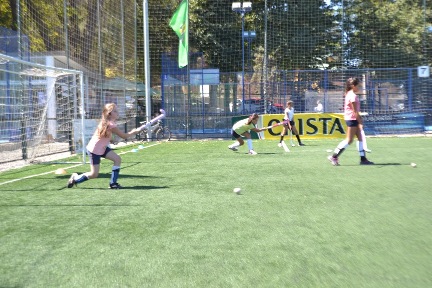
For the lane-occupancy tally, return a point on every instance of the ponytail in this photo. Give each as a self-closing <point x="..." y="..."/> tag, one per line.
<point x="252" y="117"/>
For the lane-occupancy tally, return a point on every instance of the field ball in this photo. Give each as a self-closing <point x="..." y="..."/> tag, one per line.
<point x="237" y="190"/>
<point x="413" y="165"/>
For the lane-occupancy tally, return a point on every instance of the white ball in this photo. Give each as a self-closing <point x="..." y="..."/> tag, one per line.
<point x="237" y="190"/>
<point x="413" y="165"/>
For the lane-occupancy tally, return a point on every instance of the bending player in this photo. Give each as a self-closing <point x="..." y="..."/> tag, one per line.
<point x="242" y="129"/>
<point x="98" y="148"/>
<point x="289" y="124"/>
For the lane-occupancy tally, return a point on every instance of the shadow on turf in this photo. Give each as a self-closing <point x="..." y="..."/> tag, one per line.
<point x="375" y="164"/>
<point x="107" y="176"/>
<point x="103" y="189"/>
<point x="70" y="205"/>
<point x="137" y="187"/>
<point x="389" y="164"/>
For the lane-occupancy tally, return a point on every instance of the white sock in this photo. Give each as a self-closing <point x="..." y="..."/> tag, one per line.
<point x="342" y="145"/>
<point x="364" y="139"/>
<point x="249" y="143"/>
<point x="235" y="145"/>
<point x="360" y="148"/>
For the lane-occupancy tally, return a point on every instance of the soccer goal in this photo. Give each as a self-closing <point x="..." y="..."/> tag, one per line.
<point x="41" y="112"/>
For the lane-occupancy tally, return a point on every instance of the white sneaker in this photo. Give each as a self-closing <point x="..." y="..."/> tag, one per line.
<point x="252" y="152"/>
<point x="71" y="181"/>
<point x="368" y="150"/>
<point x="232" y="148"/>
<point x="280" y="145"/>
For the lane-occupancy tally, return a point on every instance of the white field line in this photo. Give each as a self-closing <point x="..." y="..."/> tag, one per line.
<point x="35" y="175"/>
<point x="51" y="172"/>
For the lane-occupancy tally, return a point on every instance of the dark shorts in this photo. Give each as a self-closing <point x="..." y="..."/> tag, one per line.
<point x="96" y="159"/>
<point x="235" y="134"/>
<point x="352" y="123"/>
<point x="285" y="123"/>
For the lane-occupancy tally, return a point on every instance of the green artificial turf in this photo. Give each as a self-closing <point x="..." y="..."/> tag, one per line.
<point x="298" y="222"/>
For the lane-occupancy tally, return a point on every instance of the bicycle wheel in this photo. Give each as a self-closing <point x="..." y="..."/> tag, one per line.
<point x="163" y="134"/>
<point x="142" y="136"/>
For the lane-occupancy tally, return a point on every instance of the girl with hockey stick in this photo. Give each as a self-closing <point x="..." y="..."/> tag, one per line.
<point x="353" y="121"/>
<point x="242" y="129"/>
<point x="98" y="147"/>
<point x="289" y="124"/>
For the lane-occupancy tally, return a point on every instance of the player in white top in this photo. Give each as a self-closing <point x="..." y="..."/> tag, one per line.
<point x="289" y="123"/>
<point x="319" y="108"/>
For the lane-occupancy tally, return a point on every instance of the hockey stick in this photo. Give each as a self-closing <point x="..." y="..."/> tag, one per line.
<point x="153" y="121"/>
<point x="273" y="125"/>
<point x="291" y="138"/>
<point x="285" y="147"/>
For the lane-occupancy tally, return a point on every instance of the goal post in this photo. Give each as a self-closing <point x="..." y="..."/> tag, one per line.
<point x="41" y="112"/>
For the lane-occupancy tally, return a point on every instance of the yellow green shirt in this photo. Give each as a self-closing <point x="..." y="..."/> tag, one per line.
<point x="241" y="126"/>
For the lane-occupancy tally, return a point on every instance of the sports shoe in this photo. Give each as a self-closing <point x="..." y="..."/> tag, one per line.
<point x="366" y="162"/>
<point x="333" y="160"/>
<point x="71" y="181"/>
<point x="280" y="145"/>
<point x="115" y="186"/>
<point x="301" y="144"/>
<point x="368" y="150"/>
<point x="252" y="152"/>
<point x="232" y="148"/>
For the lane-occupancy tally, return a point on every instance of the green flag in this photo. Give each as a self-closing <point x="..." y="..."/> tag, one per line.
<point x="179" y="23"/>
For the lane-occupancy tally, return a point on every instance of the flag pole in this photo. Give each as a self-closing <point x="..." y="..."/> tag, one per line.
<point x="147" y="64"/>
<point x="179" y="22"/>
<point x="188" y="120"/>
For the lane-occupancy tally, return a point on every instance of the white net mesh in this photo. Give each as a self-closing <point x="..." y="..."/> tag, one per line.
<point x="39" y="106"/>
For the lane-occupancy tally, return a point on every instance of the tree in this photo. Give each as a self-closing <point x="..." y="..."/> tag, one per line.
<point x="382" y="34"/>
<point x="8" y="17"/>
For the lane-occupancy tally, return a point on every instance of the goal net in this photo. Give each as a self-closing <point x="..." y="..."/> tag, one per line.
<point x="41" y="112"/>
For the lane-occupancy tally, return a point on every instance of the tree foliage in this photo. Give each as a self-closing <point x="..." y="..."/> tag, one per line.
<point x="384" y="34"/>
<point x="309" y="34"/>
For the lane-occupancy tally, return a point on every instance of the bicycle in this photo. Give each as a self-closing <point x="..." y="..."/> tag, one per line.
<point x="158" y="132"/>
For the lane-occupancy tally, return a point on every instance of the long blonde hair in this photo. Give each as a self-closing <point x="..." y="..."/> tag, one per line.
<point x="104" y="123"/>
